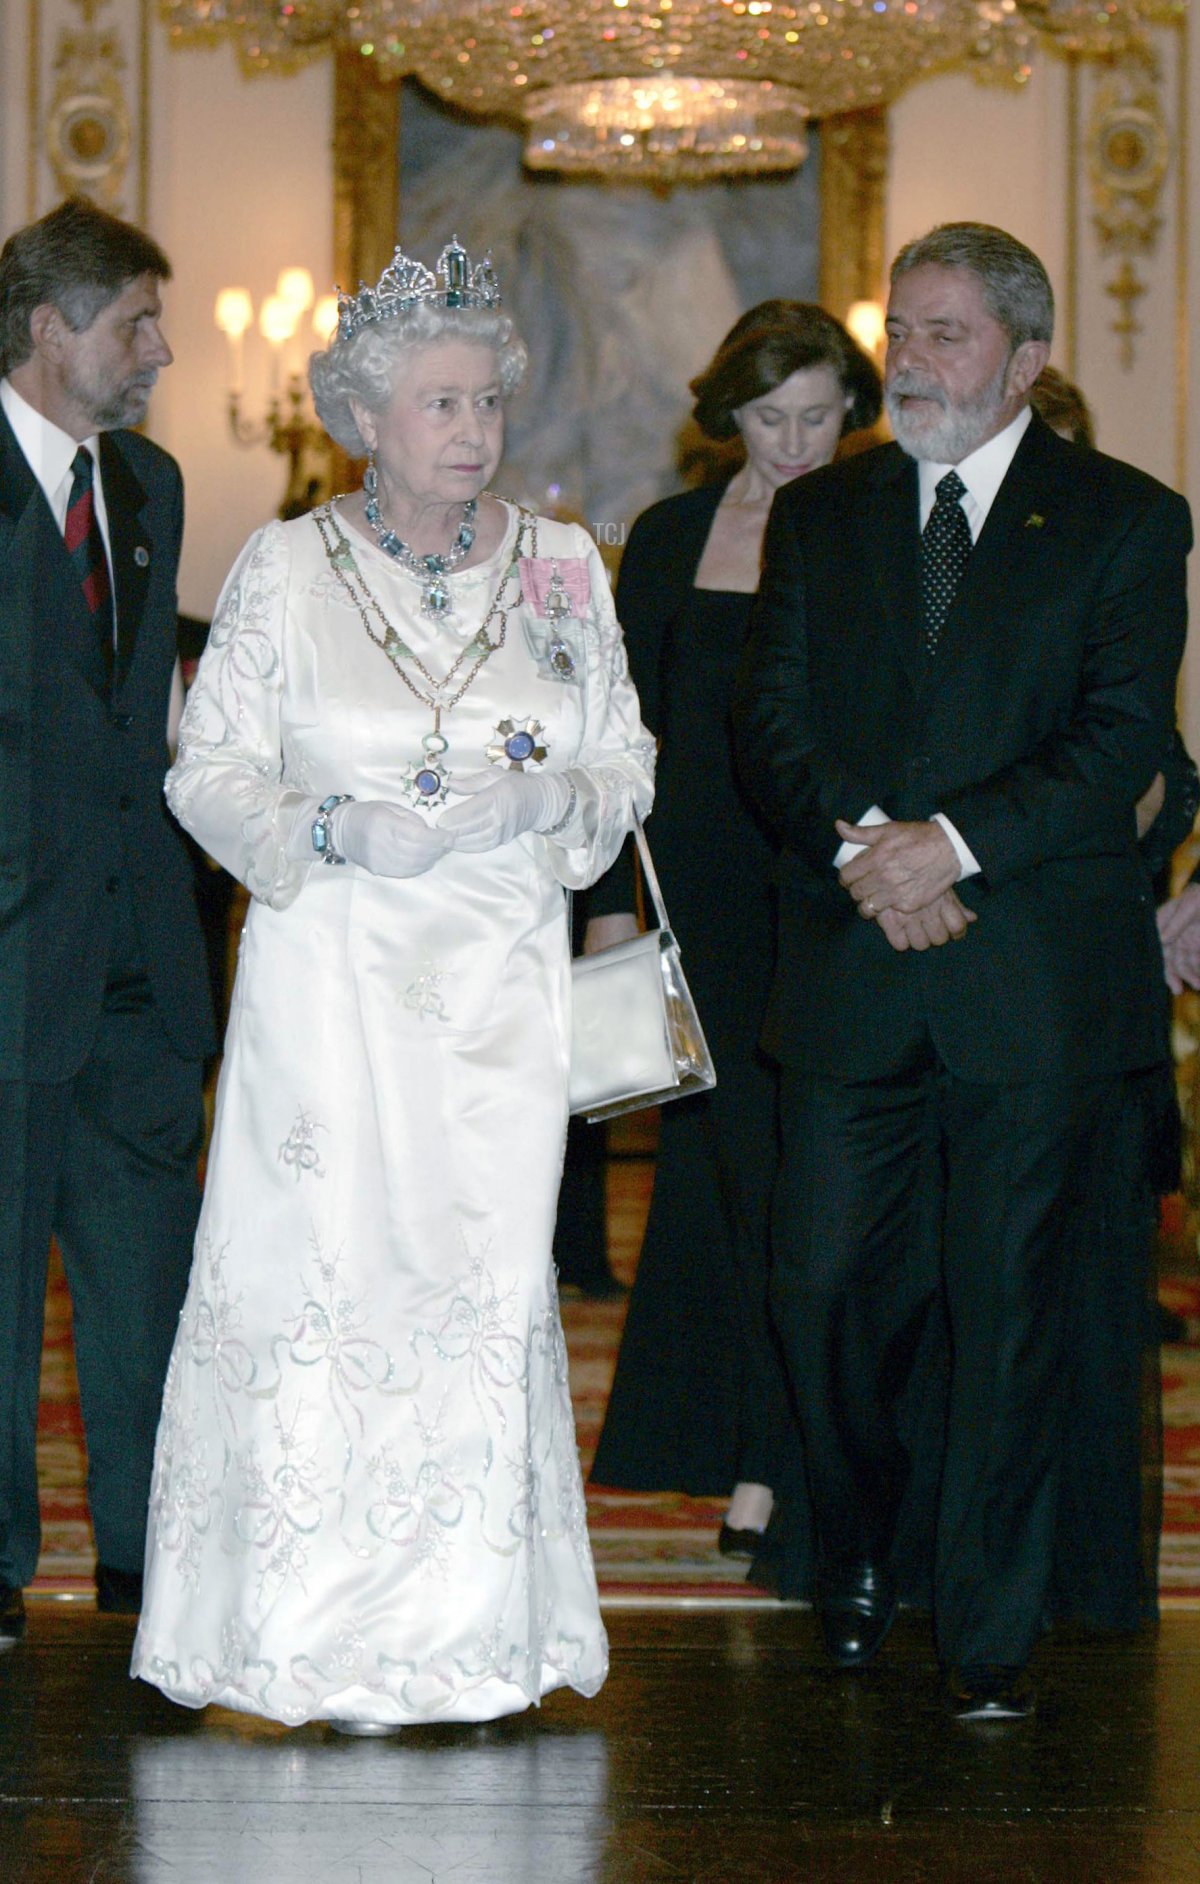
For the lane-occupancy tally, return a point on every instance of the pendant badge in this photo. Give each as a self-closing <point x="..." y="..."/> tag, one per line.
<point x="429" y="782"/>
<point x="558" y="602"/>
<point x="518" y="743"/>
<point x="436" y="602"/>
<point x="558" y="610"/>
<point x="562" y="661"/>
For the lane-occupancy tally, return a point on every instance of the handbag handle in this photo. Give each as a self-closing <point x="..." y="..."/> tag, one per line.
<point x="649" y="873"/>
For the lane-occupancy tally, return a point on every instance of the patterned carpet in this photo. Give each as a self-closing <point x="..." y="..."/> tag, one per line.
<point x="1179" y="1562"/>
<point x="646" y="1547"/>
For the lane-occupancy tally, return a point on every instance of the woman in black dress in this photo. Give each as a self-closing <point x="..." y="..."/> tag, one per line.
<point x="698" y="1402"/>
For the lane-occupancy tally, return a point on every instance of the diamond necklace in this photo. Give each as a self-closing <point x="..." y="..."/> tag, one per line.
<point x="427" y="781"/>
<point x="430" y="571"/>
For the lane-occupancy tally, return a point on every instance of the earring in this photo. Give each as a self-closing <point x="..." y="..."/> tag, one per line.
<point x="370" y="476"/>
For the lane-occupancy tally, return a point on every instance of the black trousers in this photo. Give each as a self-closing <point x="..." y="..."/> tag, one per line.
<point x="105" y="1161"/>
<point x="850" y="1291"/>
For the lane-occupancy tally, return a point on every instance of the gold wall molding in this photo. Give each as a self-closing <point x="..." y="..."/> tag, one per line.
<point x="1183" y="239"/>
<point x="366" y="170"/>
<point x="854" y="165"/>
<point x="1071" y="297"/>
<point x="88" y="104"/>
<point x="32" y="105"/>
<point x="1127" y="163"/>
<point x="366" y="189"/>
<point x="1128" y="148"/>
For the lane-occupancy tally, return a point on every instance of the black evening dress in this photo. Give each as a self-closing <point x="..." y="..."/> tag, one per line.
<point x="698" y="1400"/>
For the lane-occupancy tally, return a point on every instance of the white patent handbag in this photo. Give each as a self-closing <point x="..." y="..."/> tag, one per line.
<point x="636" y="1038"/>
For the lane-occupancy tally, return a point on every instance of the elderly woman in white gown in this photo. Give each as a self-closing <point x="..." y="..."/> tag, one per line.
<point x="413" y="725"/>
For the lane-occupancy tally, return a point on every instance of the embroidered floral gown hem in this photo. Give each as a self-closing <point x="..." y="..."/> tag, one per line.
<point x="367" y="1500"/>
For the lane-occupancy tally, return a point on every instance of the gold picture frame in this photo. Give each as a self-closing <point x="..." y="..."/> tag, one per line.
<point x="366" y="129"/>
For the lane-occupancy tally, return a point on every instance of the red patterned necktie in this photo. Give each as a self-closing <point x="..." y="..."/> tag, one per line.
<point x="85" y="545"/>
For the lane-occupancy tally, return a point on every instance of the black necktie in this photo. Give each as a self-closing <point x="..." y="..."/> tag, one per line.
<point x="945" y="546"/>
<point x="85" y="545"/>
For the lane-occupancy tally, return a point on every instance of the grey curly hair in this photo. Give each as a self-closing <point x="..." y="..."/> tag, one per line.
<point x="366" y="366"/>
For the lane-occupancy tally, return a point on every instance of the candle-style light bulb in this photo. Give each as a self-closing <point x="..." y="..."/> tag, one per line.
<point x="325" y="318"/>
<point x="233" y="313"/>
<point x="295" y="286"/>
<point x="277" y="321"/>
<point x="865" y="321"/>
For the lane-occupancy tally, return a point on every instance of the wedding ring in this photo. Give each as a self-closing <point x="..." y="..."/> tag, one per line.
<point x="869" y="905"/>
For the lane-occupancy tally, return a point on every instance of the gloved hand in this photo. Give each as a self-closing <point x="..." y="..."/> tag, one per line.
<point x="386" y="839"/>
<point x="500" y="805"/>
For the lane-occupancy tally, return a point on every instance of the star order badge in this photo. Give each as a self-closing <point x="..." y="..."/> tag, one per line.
<point x="428" y="782"/>
<point x="518" y="743"/>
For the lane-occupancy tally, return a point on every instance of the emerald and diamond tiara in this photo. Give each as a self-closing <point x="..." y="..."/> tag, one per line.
<point x="405" y="282"/>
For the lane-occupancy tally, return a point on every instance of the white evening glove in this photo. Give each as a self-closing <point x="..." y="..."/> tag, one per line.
<point x="389" y="840"/>
<point x="500" y="806"/>
<point x="386" y="839"/>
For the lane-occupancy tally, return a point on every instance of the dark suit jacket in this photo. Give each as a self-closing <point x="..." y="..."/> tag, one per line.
<point x="1044" y="715"/>
<point x="82" y="767"/>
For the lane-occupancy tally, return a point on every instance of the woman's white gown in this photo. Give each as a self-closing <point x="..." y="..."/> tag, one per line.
<point x="367" y="1501"/>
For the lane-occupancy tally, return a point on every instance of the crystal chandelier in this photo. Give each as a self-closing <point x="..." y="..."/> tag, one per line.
<point x="673" y="89"/>
<point x="688" y="128"/>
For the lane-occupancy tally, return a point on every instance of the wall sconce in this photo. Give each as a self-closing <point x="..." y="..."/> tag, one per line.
<point x="286" y="429"/>
<point x="865" y="321"/>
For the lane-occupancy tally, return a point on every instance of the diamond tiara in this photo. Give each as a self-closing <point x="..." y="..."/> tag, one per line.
<point x="406" y="281"/>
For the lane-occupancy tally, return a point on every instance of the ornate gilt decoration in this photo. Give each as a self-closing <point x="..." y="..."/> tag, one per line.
<point x="88" y="136"/>
<point x="658" y="91"/>
<point x="664" y="91"/>
<point x="1128" y="152"/>
<point x="854" y="160"/>
<point x="366" y="197"/>
<point x="366" y="190"/>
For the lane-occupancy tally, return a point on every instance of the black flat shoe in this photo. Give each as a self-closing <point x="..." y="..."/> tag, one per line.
<point x="118" y="1592"/>
<point x="743" y="1546"/>
<point x="990" y="1692"/>
<point x="856" y="1606"/>
<point x="12" y="1615"/>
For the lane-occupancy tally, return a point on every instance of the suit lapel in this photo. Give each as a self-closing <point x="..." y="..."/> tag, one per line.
<point x="893" y="553"/>
<point x="32" y="539"/>
<point x="129" y="539"/>
<point x="1021" y="520"/>
<point x="18" y="486"/>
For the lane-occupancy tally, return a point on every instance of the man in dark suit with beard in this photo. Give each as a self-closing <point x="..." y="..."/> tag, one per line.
<point x="959" y="682"/>
<point x="104" y="1010"/>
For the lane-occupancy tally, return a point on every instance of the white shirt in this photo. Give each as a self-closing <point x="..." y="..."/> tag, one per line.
<point x="983" y="472"/>
<point x="49" y="453"/>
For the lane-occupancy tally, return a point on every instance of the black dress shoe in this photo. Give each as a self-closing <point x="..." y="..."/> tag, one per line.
<point x="989" y="1692"/>
<point x="118" y="1592"/>
<point x="743" y="1546"/>
<point x="12" y="1615"/>
<point x="856" y="1604"/>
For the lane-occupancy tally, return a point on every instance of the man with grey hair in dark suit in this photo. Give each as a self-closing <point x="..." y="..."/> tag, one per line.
<point x="105" y="1017"/>
<point x="959" y="683"/>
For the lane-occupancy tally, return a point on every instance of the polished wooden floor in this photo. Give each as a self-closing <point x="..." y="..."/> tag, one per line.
<point x="720" y="1750"/>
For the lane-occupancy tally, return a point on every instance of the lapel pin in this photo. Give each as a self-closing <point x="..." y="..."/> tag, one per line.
<point x="141" y="555"/>
<point x="1034" y="520"/>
